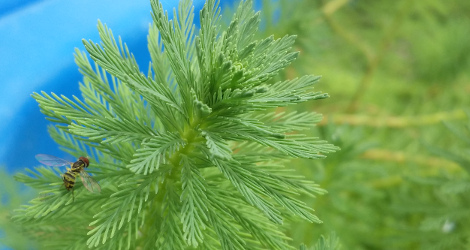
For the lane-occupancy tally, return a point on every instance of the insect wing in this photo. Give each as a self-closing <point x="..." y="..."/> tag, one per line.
<point x="89" y="182"/>
<point x="51" y="160"/>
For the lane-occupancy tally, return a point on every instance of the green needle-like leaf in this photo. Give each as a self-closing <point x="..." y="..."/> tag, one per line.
<point x="189" y="154"/>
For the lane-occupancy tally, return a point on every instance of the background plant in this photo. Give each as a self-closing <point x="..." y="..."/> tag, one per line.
<point x="189" y="154"/>
<point x="388" y="65"/>
<point x="12" y="195"/>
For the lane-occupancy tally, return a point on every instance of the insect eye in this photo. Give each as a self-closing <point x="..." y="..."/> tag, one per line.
<point x="85" y="160"/>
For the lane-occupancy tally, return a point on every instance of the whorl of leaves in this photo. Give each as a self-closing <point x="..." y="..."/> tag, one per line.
<point x="188" y="154"/>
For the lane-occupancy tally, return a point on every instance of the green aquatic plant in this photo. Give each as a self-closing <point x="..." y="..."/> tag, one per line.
<point x="190" y="154"/>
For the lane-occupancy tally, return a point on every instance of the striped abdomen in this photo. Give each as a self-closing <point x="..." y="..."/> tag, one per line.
<point x="69" y="179"/>
<point x="71" y="174"/>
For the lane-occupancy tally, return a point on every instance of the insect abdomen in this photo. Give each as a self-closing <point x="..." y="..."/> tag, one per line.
<point x="69" y="179"/>
<point x="71" y="174"/>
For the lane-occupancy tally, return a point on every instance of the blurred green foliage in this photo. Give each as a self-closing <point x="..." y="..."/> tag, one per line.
<point x="395" y="70"/>
<point x="12" y="196"/>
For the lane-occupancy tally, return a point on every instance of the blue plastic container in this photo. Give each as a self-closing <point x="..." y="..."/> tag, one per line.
<point x="37" y="41"/>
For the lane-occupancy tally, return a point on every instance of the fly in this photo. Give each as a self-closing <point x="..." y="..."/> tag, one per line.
<point x="76" y="168"/>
